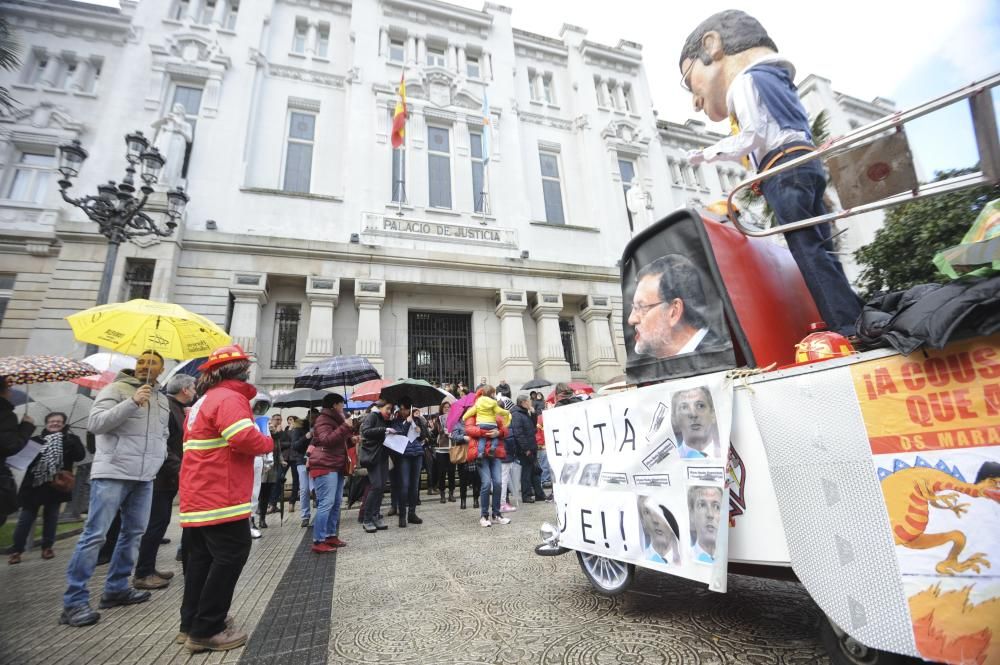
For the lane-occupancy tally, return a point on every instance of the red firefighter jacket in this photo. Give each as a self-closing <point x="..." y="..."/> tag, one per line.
<point x="220" y="442"/>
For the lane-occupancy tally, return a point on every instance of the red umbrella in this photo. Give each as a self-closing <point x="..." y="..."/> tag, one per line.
<point x="369" y="390"/>
<point x="578" y="388"/>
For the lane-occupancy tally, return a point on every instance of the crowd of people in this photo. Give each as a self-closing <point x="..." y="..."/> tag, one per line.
<point x="236" y="464"/>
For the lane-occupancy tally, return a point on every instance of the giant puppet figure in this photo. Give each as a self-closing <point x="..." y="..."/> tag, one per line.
<point x="733" y="70"/>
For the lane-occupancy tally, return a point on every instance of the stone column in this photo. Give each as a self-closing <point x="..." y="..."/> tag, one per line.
<point x="619" y="97"/>
<point x="383" y="43"/>
<point x="608" y="100"/>
<point x="462" y="70"/>
<point x="369" y="294"/>
<point x="51" y="72"/>
<point x="602" y="365"/>
<point x="487" y="62"/>
<point x="514" y="362"/>
<point x="411" y="51"/>
<point x="312" y="36"/>
<point x="219" y="13"/>
<point x="249" y="291"/>
<point x="453" y="58"/>
<point x="323" y="293"/>
<point x="552" y="363"/>
<point x="194" y="12"/>
<point x="81" y="77"/>
<point x="421" y="51"/>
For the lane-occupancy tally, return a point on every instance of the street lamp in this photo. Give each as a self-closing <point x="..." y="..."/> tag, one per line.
<point x="116" y="208"/>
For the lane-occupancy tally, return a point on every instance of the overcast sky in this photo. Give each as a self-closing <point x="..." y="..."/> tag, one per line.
<point x="908" y="52"/>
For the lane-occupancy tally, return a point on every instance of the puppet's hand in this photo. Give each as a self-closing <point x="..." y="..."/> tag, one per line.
<point x="695" y="157"/>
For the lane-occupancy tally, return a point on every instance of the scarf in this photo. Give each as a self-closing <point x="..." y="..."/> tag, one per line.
<point x="50" y="460"/>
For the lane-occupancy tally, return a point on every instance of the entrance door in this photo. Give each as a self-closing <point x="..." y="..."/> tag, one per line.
<point x="440" y="347"/>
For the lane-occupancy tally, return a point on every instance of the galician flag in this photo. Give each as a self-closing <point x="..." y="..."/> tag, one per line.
<point x="399" y="115"/>
<point x="486" y="129"/>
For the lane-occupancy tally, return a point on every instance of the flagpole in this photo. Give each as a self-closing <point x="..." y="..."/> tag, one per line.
<point x="484" y="195"/>
<point x="399" y="181"/>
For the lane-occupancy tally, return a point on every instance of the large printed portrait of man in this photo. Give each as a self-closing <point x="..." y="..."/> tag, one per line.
<point x="705" y="510"/>
<point x="692" y="417"/>
<point x="672" y="311"/>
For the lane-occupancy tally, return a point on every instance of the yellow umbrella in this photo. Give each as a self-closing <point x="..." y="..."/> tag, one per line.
<point x="140" y="325"/>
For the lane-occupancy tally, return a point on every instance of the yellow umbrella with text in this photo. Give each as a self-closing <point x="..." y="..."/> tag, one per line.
<point x="147" y="325"/>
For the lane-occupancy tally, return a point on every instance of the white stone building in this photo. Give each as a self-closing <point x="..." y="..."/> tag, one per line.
<point x="298" y="237"/>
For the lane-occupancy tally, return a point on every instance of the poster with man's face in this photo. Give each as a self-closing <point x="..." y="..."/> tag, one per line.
<point x="673" y="313"/>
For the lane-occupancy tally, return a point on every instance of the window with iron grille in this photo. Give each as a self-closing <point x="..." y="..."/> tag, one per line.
<point x="286" y="335"/>
<point x="138" y="279"/>
<point x="6" y="292"/>
<point x="567" y="331"/>
<point x="440" y="347"/>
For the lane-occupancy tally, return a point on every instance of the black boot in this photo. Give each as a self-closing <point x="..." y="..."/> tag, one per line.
<point x="451" y="496"/>
<point x="442" y="500"/>
<point x="402" y="520"/>
<point x="475" y="501"/>
<point x="413" y="519"/>
<point x="462" y="505"/>
<point x="263" y="522"/>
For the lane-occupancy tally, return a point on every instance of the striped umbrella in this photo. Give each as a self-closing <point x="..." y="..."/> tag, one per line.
<point x="337" y="371"/>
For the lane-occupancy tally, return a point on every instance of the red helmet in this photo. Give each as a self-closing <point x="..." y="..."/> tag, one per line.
<point x="223" y="355"/>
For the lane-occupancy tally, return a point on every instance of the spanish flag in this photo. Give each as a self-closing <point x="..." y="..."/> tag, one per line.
<point x="399" y="115"/>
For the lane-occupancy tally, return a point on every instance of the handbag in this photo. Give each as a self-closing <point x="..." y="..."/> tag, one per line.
<point x="64" y="481"/>
<point x="366" y="456"/>
<point x="459" y="453"/>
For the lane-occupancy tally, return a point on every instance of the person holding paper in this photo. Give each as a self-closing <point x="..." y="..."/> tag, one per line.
<point x="13" y="437"/>
<point x="409" y="423"/>
<point x="374" y="457"/>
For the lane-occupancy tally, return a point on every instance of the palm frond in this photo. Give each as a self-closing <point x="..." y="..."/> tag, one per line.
<point x="10" y="48"/>
<point x="820" y="127"/>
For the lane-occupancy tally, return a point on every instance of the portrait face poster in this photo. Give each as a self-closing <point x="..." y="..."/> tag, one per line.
<point x="641" y="476"/>
<point x="673" y="311"/>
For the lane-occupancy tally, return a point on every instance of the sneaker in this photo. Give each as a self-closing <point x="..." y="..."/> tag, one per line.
<point x="550" y="498"/>
<point x="322" y="547"/>
<point x="127" y="597"/>
<point x="182" y="636"/>
<point x="507" y="508"/>
<point x="484" y="522"/>
<point x="336" y="542"/>
<point x="305" y="522"/>
<point x="81" y="615"/>
<point x="500" y="519"/>
<point x="380" y="524"/>
<point x="369" y="527"/>
<point x="255" y="533"/>
<point x="165" y="574"/>
<point x="153" y="581"/>
<point x="230" y="638"/>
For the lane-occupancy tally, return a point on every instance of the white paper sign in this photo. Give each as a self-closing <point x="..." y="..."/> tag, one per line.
<point x="640" y="476"/>
<point x="25" y="456"/>
<point x="396" y="442"/>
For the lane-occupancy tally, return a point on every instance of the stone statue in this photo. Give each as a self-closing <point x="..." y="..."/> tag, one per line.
<point x="173" y="133"/>
<point x="637" y="200"/>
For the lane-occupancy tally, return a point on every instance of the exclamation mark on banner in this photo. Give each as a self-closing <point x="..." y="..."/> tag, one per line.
<point x="621" y="523"/>
<point x="604" y="528"/>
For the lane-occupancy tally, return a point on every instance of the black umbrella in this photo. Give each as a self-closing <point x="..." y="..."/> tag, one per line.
<point x="421" y="393"/>
<point x="337" y="371"/>
<point x="536" y="383"/>
<point x="303" y="397"/>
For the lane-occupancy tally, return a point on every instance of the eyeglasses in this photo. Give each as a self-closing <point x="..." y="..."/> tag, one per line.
<point x="644" y="309"/>
<point x="685" y="84"/>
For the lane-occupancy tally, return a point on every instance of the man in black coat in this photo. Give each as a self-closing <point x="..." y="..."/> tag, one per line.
<point x="13" y="437"/>
<point x="180" y="392"/>
<point x="523" y="430"/>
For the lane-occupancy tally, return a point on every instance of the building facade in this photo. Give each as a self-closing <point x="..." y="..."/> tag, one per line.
<point x="307" y="235"/>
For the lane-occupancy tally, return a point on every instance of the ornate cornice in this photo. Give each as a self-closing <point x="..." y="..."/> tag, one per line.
<point x="306" y="75"/>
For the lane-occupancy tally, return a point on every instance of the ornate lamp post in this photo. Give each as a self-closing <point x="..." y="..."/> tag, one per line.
<point x="116" y="208"/>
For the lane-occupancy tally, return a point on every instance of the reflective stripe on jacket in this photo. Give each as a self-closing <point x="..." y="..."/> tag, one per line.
<point x="220" y="443"/>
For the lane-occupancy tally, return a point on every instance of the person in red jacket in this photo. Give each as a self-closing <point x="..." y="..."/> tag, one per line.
<point x="490" y="471"/>
<point x="216" y="482"/>
<point x="332" y="433"/>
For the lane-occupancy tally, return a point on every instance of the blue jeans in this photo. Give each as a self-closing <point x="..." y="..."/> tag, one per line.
<point x="409" y="482"/>
<point x="796" y="195"/>
<point x="329" y="494"/>
<point x="26" y="520"/>
<point x="107" y="496"/>
<point x="486" y="427"/>
<point x="304" y="483"/>
<point x="543" y="462"/>
<point x="491" y="475"/>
